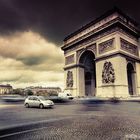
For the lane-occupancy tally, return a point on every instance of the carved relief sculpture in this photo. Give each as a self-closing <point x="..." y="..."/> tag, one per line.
<point x="69" y="81"/>
<point x="88" y="41"/>
<point x="69" y="59"/>
<point x="129" y="47"/>
<point x="106" y="46"/>
<point x="108" y="74"/>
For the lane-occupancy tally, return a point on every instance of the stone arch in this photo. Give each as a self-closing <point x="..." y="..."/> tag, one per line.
<point x="131" y="78"/>
<point x="87" y="61"/>
<point x="82" y="51"/>
<point x="132" y="63"/>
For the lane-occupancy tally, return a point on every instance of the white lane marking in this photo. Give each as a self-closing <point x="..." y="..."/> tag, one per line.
<point x="10" y="105"/>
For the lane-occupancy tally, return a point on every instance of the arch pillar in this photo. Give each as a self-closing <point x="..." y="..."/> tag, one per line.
<point x="80" y="81"/>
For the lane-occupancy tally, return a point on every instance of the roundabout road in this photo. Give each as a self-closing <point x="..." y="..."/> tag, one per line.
<point x="77" y="122"/>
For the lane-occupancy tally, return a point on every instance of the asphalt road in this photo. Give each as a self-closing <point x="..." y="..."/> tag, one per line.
<point x="77" y="121"/>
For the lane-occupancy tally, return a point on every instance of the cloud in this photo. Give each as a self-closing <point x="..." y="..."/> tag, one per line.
<point x="55" y="19"/>
<point x="28" y="46"/>
<point x="26" y="57"/>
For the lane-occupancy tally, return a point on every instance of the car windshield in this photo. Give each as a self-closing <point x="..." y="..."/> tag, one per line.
<point x="42" y="98"/>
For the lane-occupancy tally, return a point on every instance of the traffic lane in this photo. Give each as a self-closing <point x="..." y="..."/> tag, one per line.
<point x="120" y="108"/>
<point x="29" y="127"/>
<point x="19" y="115"/>
<point x="14" y="115"/>
<point x="81" y="128"/>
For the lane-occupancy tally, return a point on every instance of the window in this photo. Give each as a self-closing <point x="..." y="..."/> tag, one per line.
<point x="30" y="98"/>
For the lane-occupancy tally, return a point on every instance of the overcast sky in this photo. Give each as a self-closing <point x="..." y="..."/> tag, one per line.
<point x="32" y="31"/>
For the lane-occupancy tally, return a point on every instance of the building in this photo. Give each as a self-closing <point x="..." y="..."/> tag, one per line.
<point x="43" y="90"/>
<point x="6" y="89"/>
<point x="103" y="57"/>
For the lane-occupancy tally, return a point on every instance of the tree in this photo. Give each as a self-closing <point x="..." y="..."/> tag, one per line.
<point x="29" y="92"/>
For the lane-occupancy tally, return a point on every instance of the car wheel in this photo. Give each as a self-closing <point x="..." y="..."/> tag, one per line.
<point x="41" y="106"/>
<point x="27" y="105"/>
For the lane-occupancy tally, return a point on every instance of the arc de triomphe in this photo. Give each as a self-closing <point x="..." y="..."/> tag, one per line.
<point x="103" y="57"/>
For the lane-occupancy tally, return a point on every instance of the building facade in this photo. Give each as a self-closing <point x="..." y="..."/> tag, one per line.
<point x="43" y="90"/>
<point x="103" y="57"/>
<point x="6" y="89"/>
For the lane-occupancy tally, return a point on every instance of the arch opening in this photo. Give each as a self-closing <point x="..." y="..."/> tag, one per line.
<point x="87" y="59"/>
<point x="131" y="79"/>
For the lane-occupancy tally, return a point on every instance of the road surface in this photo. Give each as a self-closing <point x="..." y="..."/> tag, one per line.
<point x="72" y="121"/>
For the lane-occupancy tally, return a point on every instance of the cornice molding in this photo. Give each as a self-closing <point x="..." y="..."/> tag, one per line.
<point x="101" y="28"/>
<point x="118" y="53"/>
<point x="74" y="66"/>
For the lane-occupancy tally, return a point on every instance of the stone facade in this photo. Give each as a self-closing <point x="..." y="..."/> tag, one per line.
<point x="103" y="57"/>
<point x="5" y="89"/>
<point x="39" y="90"/>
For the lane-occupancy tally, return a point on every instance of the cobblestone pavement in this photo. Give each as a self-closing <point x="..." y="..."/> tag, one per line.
<point x="88" y="122"/>
<point x="84" y="128"/>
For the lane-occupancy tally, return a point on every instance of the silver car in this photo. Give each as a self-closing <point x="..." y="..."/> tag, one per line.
<point x="38" y="101"/>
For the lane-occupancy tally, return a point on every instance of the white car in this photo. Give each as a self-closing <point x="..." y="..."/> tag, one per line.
<point x="65" y="95"/>
<point x="38" y="101"/>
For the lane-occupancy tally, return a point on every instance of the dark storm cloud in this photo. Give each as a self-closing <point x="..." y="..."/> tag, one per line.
<point x="54" y="19"/>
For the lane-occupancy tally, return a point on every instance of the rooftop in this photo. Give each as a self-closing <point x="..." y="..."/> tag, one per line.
<point x="106" y="14"/>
